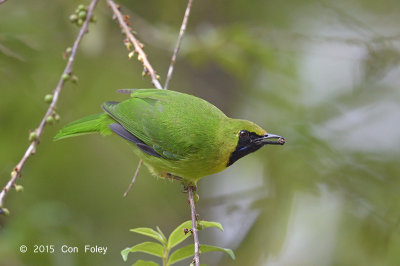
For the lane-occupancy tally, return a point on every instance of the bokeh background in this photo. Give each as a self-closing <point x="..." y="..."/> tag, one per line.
<point x="324" y="74"/>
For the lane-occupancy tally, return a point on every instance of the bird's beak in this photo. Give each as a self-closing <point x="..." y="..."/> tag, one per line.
<point x="272" y="139"/>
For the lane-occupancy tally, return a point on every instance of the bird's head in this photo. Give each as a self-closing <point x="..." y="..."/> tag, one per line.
<point x="248" y="137"/>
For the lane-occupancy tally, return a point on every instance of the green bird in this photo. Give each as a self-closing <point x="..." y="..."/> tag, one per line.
<point x="176" y="135"/>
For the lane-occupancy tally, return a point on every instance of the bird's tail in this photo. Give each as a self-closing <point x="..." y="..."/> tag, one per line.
<point x="91" y="124"/>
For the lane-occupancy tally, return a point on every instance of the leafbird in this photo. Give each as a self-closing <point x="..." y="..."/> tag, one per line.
<point x="177" y="135"/>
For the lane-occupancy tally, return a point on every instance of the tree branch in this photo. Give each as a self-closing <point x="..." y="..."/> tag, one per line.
<point x="137" y="45"/>
<point x="50" y="111"/>
<point x="196" y="258"/>
<point x="178" y="43"/>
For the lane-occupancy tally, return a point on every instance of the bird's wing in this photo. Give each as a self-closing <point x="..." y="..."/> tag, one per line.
<point x="145" y="117"/>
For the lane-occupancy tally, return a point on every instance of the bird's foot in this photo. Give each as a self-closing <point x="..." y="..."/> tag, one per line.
<point x="186" y="187"/>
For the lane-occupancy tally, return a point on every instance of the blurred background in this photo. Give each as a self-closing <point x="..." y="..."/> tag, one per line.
<point x="323" y="74"/>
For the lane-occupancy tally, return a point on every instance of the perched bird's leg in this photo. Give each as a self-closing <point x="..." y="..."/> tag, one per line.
<point x="185" y="187"/>
<point x="191" y="188"/>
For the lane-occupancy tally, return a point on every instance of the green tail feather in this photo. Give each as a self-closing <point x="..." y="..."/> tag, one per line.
<point x="91" y="124"/>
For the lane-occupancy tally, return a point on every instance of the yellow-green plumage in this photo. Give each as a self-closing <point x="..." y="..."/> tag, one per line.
<point x="174" y="133"/>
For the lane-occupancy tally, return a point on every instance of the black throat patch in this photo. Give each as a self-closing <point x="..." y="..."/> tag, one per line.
<point x="246" y="145"/>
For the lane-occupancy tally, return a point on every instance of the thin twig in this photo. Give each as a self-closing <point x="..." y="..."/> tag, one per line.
<point x="178" y="44"/>
<point x="50" y="111"/>
<point x="2" y="1"/>
<point x="134" y="178"/>
<point x="196" y="258"/>
<point x="137" y="45"/>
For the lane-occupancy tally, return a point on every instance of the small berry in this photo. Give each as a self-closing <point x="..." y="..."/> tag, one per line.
<point x="82" y="14"/>
<point x="57" y="117"/>
<point x="80" y="8"/>
<point x="19" y="188"/>
<point x="73" y="18"/>
<point x="14" y="172"/>
<point x="65" y="76"/>
<point x="128" y="44"/>
<point x="74" y="79"/>
<point x="50" y="120"/>
<point x="48" y="98"/>
<point x="196" y="197"/>
<point x="32" y="137"/>
<point x="67" y="52"/>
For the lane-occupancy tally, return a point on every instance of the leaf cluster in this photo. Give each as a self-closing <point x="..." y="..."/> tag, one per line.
<point x="163" y="249"/>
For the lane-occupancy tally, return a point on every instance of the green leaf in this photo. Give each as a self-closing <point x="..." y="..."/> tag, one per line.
<point x="151" y="248"/>
<point x="208" y="248"/>
<point x="205" y="224"/>
<point x="181" y="254"/>
<point x="145" y="263"/>
<point x="151" y="233"/>
<point x="188" y="251"/>
<point x="125" y="253"/>
<point x="178" y="235"/>
<point x="162" y="234"/>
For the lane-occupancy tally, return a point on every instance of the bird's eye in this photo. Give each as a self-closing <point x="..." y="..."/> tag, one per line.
<point x="243" y="134"/>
